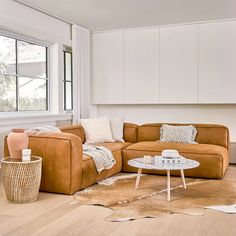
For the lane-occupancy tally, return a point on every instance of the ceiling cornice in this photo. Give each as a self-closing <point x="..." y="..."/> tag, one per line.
<point x="46" y="12"/>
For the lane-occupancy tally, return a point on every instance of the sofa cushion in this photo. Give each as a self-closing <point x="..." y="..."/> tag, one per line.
<point x="182" y="148"/>
<point x="90" y="174"/>
<point x="213" y="158"/>
<point x="130" y="132"/>
<point x="74" y="129"/>
<point x="97" y="129"/>
<point x="113" y="146"/>
<point x="178" y="134"/>
<point x="117" y="126"/>
<point x="206" y="133"/>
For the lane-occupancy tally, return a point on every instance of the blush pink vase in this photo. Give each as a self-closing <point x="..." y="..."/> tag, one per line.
<point x="16" y="141"/>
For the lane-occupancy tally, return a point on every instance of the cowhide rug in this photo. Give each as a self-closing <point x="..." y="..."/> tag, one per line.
<point x="150" y="200"/>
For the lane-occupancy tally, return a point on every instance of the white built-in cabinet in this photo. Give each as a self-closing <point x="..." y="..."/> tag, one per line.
<point x="141" y="66"/>
<point x="184" y="64"/>
<point x="179" y="64"/>
<point x="107" y="68"/>
<point x="217" y="62"/>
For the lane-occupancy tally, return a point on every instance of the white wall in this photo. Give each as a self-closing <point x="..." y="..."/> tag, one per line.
<point x="216" y="114"/>
<point x="22" y="20"/>
<point x="27" y="21"/>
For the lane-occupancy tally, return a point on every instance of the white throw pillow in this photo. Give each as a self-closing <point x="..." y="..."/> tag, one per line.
<point x="117" y="128"/>
<point x="97" y="130"/>
<point x="178" y="133"/>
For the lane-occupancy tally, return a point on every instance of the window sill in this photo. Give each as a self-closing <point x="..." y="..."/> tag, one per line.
<point x="16" y="118"/>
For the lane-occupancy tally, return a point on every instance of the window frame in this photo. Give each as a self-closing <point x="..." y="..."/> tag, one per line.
<point x="36" y="42"/>
<point x="66" y="50"/>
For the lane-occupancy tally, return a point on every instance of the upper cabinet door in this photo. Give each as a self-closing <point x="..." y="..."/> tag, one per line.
<point x="179" y="64"/>
<point x="141" y="66"/>
<point x="217" y="62"/>
<point x="107" y="68"/>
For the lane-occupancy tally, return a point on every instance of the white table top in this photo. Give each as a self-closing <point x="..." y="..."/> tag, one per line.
<point x="154" y="165"/>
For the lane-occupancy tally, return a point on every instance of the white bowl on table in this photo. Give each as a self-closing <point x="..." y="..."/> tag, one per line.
<point x="170" y="153"/>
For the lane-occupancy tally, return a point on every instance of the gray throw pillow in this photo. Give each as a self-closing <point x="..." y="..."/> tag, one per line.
<point x="178" y="133"/>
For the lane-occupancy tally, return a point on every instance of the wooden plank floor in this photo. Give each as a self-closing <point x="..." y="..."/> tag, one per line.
<point x="54" y="214"/>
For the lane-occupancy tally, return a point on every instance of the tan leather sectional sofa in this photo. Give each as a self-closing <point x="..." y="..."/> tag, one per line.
<point x="66" y="169"/>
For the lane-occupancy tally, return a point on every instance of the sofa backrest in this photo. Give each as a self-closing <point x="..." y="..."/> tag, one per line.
<point x="206" y="133"/>
<point x="74" y="129"/>
<point x="130" y="132"/>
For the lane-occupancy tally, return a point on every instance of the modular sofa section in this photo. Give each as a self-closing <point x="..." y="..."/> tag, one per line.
<point x="213" y="158"/>
<point x="61" y="160"/>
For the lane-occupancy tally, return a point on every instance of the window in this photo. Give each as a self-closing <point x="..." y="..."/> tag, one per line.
<point x="68" y="82"/>
<point x="23" y="75"/>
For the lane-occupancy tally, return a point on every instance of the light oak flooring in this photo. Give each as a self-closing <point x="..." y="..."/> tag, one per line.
<point x="54" y="214"/>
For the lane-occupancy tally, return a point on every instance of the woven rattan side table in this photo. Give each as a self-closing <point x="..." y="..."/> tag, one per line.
<point x="21" y="179"/>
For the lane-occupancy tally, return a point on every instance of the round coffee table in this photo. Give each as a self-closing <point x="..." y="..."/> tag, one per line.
<point x="157" y="165"/>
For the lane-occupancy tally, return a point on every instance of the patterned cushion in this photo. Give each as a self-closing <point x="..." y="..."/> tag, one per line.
<point x="178" y="134"/>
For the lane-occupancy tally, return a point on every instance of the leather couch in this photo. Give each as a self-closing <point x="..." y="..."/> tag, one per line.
<point x="66" y="169"/>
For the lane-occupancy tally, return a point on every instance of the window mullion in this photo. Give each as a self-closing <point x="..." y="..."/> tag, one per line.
<point x="71" y="79"/>
<point x="17" y="82"/>
<point x="47" y="82"/>
<point x="68" y="82"/>
<point x="64" y="83"/>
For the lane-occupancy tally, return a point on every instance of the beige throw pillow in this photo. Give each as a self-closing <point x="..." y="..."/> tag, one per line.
<point x="97" y="130"/>
<point x="117" y="125"/>
<point x="178" y="133"/>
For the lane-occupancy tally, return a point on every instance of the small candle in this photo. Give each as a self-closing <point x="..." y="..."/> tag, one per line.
<point x="26" y="154"/>
<point x="147" y="159"/>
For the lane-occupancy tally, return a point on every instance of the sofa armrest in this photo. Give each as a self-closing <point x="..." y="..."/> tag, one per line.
<point x="61" y="160"/>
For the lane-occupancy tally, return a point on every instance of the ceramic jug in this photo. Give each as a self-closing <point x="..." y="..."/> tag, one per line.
<point x="16" y="141"/>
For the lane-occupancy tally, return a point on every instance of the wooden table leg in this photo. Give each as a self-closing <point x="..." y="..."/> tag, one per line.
<point x="183" y="179"/>
<point x="168" y="185"/>
<point x="138" y="178"/>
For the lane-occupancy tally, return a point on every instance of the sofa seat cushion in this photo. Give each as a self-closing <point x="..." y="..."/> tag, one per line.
<point x="89" y="172"/>
<point x="213" y="158"/>
<point x="182" y="148"/>
<point x="113" y="146"/>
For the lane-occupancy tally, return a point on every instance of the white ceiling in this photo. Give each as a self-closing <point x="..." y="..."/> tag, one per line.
<point x="115" y="14"/>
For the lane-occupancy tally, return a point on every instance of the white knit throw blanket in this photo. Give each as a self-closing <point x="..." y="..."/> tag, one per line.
<point x="102" y="156"/>
<point x="44" y="129"/>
